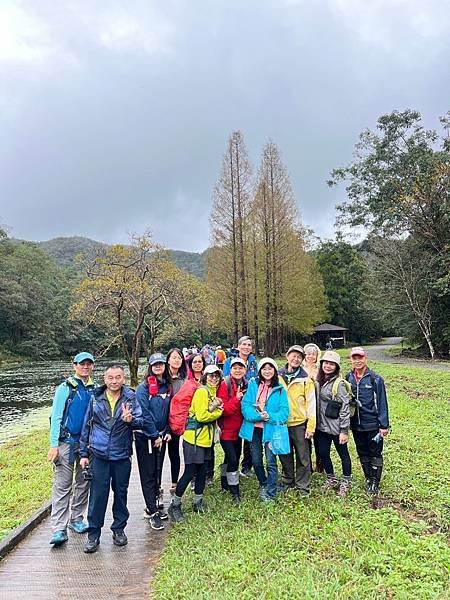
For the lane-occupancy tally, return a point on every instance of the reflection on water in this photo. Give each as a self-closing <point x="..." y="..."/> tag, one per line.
<point x="26" y="393"/>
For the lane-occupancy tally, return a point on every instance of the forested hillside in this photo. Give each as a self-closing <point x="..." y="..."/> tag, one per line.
<point x="63" y="251"/>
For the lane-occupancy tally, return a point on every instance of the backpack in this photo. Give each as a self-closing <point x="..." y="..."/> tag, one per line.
<point x="348" y="388"/>
<point x="72" y="384"/>
<point x="179" y="407"/>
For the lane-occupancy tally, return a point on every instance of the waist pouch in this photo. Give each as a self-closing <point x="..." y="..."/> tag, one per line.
<point x="333" y="408"/>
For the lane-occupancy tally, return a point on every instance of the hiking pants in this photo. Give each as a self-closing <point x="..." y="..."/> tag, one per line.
<point x="269" y="481"/>
<point x="297" y="464"/>
<point x="210" y="464"/>
<point x="148" y="458"/>
<point x="173" y="448"/>
<point x="369" y="452"/>
<point x="247" y="457"/>
<point x="64" y="485"/>
<point x="232" y="451"/>
<point x="324" y="441"/>
<point x="106" y="473"/>
<point x="192" y="470"/>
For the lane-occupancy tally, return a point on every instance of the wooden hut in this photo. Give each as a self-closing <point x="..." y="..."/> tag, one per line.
<point x="327" y="332"/>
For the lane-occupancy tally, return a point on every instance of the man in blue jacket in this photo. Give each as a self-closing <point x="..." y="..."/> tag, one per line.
<point x="107" y="435"/>
<point x="370" y="423"/>
<point x="69" y="407"/>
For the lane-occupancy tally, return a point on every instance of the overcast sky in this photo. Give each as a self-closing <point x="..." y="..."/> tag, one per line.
<point x="114" y="115"/>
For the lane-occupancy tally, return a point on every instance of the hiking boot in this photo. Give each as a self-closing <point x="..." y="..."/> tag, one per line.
<point x="223" y="484"/>
<point x="372" y="487"/>
<point x="330" y="484"/>
<point x="119" y="538"/>
<point x="344" y="489"/>
<point x="199" y="506"/>
<point x="210" y="480"/>
<point x="59" y="538"/>
<point x="163" y="515"/>
<point x="78" y="526"/>
<point x="91" y="546"/>
<point x="176" y="513"/>
<point x="155" y="521"/>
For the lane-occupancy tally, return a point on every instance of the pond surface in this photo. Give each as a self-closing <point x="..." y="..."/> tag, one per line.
<point x="26" y="393"/>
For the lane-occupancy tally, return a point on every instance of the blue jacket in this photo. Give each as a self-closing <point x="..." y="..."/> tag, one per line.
<point x="69" y="407"/>
<point x="371" y="402"/>
<point x="252" y="368"/>
<point x="277" y="407"/>
<point x="155" y="410"/>
<point x="106" y="435"/>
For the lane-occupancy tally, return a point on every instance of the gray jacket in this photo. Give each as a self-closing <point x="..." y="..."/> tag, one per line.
<point x="326" y="424"/>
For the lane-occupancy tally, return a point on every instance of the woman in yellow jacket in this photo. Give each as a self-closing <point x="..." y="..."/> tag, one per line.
<point x="198" y="440"/>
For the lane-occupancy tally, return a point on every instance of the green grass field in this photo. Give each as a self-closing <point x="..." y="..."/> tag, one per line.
<point x="25" y="479"/>
<point x="325" y="547"/>
<point x="318" y="547"/>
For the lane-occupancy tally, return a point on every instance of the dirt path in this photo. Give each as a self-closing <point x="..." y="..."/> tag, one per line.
<point x="378" y="352"/>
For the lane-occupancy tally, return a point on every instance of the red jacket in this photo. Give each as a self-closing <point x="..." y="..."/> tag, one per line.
<point x="231" y="420"/>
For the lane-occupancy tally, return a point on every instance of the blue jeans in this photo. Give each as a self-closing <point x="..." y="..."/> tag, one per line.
<point x="268" y="481"/>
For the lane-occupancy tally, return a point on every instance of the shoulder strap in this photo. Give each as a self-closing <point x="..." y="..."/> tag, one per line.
<point x="72" y="384"/>
<point x="334" y="388"/>
<point x="228" y="382"/>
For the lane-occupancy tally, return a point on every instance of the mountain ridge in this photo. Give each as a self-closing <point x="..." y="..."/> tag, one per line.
<point x="63" y="251"/>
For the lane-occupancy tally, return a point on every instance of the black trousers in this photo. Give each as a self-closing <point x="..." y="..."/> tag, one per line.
<point x="148" y="464"/>
<point x="190" y="471"/>
<point x="324" y="441"/>
<point x="173" y="448"/>
<point x="232" y="451"/>
<point x="247" y="462"/>
<point x="368" y="451"/>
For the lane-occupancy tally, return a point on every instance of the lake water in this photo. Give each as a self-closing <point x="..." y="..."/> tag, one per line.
<point x="26" y="393"/>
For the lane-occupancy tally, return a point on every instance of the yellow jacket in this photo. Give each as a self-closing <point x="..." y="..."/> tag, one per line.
<point x="201" y="422"/>
<point x="302" y="402"/>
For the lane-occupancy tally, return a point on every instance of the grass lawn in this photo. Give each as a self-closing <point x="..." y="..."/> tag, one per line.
<point x="25" y="479"/>
<point x="322" y="546"/>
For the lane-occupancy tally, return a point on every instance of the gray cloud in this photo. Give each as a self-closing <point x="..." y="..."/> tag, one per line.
<point x="115" y="119"/>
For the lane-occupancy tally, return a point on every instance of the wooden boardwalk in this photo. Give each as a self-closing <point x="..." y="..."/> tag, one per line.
<point x="35" y="570"/>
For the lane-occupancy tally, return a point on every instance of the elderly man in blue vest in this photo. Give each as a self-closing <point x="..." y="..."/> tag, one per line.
<point x="69" y="407"/>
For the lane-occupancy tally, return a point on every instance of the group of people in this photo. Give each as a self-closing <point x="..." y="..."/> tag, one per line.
<point x="251" y="408"/>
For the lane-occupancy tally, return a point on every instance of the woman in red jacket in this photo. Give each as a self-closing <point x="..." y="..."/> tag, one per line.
<point x="231" y="391"/>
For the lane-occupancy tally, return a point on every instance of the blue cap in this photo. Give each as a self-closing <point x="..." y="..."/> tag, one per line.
<point x="83" y="356"/>
<point x="156" y="358"/>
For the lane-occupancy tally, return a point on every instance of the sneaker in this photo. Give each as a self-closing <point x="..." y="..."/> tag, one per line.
<point x="163" y="515"/>
<point x="263" y="496"/>
<point x="330" y="484"/>
<point x="200" y="506"/>
<point x="147" y="513"/>
<point x="119" y="538"/>
<point x="284" y="487"/>
<point x="160" y="499"/>
<point x="78" y="526"/>
<point x="210" y="480"/>
<point x="59" y="538"/>
<point x="91" y="546"/>
<point x="155" y="521"/>
<point x="173" y="488"/>
<point x="176" y="513"/>
<point x="344" y="489"/>
<point x="246" y="473"/>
